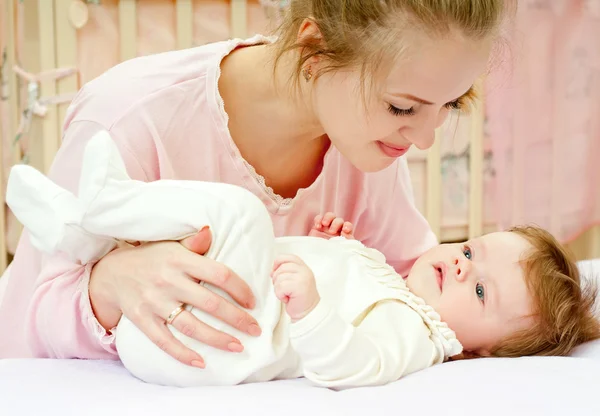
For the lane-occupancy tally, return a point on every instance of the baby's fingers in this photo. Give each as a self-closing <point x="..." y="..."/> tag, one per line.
<point x="318" y="222"/>
<point x="336" y="226"/>
<point x="284" y="287"/>
<point x="347" y="230"/>
<point x="327" y="219"/>
<point x="286" y="258"/>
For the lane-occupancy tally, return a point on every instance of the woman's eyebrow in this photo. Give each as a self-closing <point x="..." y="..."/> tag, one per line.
<point x="469" y="94"/>
<point x="413" y="98"/>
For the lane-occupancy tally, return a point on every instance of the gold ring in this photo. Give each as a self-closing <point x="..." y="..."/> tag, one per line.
<point x="175" y="313"/>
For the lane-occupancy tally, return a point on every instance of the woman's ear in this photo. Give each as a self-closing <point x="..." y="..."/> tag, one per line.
<point x="309" y="32"/>
<point x="311" y="38"/>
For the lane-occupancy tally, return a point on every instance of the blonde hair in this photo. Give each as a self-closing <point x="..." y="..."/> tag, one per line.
<point x="365" y="33"/>
<point x="564" y="302"/>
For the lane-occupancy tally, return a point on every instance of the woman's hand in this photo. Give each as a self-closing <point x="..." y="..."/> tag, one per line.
<point x="148" y="282"/>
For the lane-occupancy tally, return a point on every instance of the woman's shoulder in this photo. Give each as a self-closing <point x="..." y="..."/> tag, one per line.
<point x="158" y="81"/>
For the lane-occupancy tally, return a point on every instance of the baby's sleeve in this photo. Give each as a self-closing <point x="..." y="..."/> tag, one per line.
<point x="390" y="342"/>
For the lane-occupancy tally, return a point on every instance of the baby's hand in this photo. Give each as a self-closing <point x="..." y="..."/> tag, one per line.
<point x="329" y="225"/>
<point x="295" y="286"/>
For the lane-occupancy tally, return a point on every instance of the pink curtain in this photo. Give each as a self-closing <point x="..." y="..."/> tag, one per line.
<point x="543" y="118"/>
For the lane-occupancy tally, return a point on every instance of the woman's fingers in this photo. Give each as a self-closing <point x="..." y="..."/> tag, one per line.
<point x="158" y="333"/>
<point x="192" y="327"/>
<point x="206" y="300"/>
<point x="217" y="274"/>
<point x="212" y="303"/>
<point x="200" y="242"/>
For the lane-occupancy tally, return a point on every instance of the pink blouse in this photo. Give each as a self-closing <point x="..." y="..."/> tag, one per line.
<point x="165" y="113"/>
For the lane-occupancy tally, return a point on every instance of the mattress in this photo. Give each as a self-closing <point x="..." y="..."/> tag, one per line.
<point x="495" y="386"/>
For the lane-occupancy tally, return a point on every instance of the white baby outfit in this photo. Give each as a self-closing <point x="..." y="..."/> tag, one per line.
<point x="368" y="329"/>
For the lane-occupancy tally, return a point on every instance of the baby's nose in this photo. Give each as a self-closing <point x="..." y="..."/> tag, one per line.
<point x="461" y="267"/>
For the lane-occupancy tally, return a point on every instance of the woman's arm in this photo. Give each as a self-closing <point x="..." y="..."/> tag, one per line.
<point x="75" y="305"/>
<point x="390" y="342"/>
<point x="61" y="321"/>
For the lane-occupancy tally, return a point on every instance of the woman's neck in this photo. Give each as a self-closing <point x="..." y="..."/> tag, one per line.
<point x="274" y="129"/>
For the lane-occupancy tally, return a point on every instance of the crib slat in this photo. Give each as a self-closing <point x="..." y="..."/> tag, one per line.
<point x="434" y="185"/>
<point x="11" y="55"/>
<point x="128" y="29"/>
<point x="10" y="36"/>
<point x="47" y="54"/>
<point x="66" y="55"/>
<point x="185" y="23"/>
<point x="476" y="154"/>
<point x="595" y="243"/>
<point x="238" y="18"/>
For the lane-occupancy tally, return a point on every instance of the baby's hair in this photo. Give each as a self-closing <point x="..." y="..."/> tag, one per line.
<point x="563" y="301"/>
<point x="365" y="34"/>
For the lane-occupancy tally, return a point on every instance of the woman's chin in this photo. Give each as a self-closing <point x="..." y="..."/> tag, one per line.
<point x="372" y="164"/>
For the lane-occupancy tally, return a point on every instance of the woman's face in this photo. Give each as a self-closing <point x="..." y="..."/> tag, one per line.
<point x="420" y="90"/>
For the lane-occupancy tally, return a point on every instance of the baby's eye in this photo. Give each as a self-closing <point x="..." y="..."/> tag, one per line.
<point x="467" y="252"/>
<point x="480" y="291"/>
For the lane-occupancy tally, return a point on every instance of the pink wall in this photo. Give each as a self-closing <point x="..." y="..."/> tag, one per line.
<point x="543" y="112"/>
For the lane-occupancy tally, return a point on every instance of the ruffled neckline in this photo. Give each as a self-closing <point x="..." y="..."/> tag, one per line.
<point x="442" y="335"/>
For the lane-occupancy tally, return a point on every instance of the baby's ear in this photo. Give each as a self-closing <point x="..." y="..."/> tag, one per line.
<point x="469" y="355"/>
<point x="483" y="354"/>
<point x="478" y="354"/>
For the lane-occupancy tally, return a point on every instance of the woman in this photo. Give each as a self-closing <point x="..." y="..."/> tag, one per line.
<point x="317" y="120"/>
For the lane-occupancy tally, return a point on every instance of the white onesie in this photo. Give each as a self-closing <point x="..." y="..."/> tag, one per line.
<point x="368" y="329"/>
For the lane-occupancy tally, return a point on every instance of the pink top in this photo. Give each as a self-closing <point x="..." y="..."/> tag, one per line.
<point x="167" y="118"/>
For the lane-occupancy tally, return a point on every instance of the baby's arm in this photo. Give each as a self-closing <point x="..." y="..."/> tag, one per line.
<point x="329" y="225"/>
<point x="389" y="343"/>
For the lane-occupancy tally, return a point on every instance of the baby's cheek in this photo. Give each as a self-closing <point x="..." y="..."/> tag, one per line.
<point x="464" y="324"/>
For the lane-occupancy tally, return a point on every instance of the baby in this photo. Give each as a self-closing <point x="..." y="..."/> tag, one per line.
<point x="330" y="309"/>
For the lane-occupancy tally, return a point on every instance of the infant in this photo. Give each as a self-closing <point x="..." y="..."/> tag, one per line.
<point x="330" y="309"/>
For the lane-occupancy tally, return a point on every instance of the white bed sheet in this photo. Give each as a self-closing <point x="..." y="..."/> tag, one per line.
<point x="524" y="386"/>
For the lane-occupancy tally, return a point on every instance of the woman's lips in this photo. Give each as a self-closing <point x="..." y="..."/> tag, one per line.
<point x="440" y="272"/>
<point x="391" y="150"/>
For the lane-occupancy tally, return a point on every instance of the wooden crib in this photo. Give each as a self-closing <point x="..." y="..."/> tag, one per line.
<point x="452" y="181"/>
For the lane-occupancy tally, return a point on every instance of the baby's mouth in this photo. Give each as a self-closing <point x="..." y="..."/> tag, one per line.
<point x="440" y="273"/>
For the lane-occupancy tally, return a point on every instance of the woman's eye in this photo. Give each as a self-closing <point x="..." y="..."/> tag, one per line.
<point x="467" y="252"/>
<point x="480" y="291"/>
<point x="399" y="111"/>
<point x="455" y="105"/>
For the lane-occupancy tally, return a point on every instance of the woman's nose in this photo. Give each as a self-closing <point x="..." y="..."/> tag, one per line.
<point x="424" y="140"/>
<point x="422" y="134"/>
<point x="462" y="268"/>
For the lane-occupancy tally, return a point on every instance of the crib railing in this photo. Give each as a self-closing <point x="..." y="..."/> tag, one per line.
<point x="433" y="211"/>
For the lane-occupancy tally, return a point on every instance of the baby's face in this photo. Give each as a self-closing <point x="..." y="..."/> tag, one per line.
<point x="477" y="287"/>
